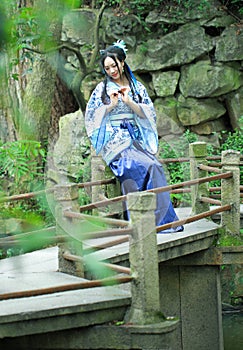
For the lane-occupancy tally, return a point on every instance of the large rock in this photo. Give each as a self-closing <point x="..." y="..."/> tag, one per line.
<point x="229" y="46"/>
<point x="234" y="104"/>
<point x="204" y="79"/>
<point x="220" y="22"/>
<point x="193" y="111"/>
<point x="210" y="127"/>
<point x="183" y="14"/>
<point x="193" y="71"/>
<point x="78" y="27"/>
<point x="71" y="147"/>
<point x="171" y="50"/>
<point x="165" y="83"/>
<point x="212" y="139"/>
<point x="167" y="121"/>
<point x="126" y="27"/>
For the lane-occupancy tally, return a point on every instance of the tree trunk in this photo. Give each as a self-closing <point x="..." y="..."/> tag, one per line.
<point x="63" y="103"/>
<point x="39" y="93"/>
<point x="37" y="102"/>
<point x="7" y="127"/>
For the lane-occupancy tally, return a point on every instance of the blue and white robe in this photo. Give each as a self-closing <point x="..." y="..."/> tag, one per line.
<point x="130" y="151"/>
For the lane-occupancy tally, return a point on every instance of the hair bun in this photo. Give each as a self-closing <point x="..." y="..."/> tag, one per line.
<point x="121" y="44"/>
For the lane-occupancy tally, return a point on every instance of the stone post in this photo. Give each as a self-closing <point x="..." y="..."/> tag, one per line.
<point x="100" y="171"/>
<point x="198" y="153"/>
<point x="230" y="192"/>
<point x="97" y="174"/>
<point x="143" y="256"/>
<point x="66" y="198"/>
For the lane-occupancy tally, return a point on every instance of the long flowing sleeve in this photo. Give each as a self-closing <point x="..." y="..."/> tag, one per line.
<point x="95" y="119"/>
<point x="147" y="126"/>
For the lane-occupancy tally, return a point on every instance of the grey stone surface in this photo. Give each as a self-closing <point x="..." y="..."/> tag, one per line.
<point x="200" y="57"/>
<point x="169" y="245"/>
<point x="78" y="27"/>
<point x="171" y="49"/>
<point x="55" y="311"/>
<point x="193" y="294"/>
<point x="230" y="192"/>
<point x="143" y="257"/>
<point x="229" y="47"/>
<point x="165" y="83"/>
<point x="204" y="79"/>
<point x="234" y="102"/>
<point x="71" y="147"/>
<point x="192" y="111"/>
<point x="208" y="12"/>
<point x="189" y="294"/>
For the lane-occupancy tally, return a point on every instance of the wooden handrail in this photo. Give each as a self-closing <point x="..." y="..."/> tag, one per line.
<point x="109" y="244"/>
<point x="67" y="287"/>
<point x="194" y="218"/>
<point x="97" y="183"/>
<point x="159" y="189"/>
<point x="114" y="267"/>
<point x="209" y="168"/>
<point x="210" y="200"/>
<point x="110" y="221"/>
<point x="112" y="180"/>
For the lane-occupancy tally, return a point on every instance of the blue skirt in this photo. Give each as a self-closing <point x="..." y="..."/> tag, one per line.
<point x="139" y="171"/>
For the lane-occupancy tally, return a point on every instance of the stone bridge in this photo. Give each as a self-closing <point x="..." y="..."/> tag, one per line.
<point x="172" y="298"/>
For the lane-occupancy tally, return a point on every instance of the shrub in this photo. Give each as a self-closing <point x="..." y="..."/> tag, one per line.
<point x="179" y="172"/>
<point x="21" y="164"/>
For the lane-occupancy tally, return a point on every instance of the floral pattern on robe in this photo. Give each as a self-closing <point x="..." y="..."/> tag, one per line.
<point x="109" y="140"/>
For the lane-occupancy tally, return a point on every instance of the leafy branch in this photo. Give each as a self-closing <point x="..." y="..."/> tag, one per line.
<point x="86" y="68"/>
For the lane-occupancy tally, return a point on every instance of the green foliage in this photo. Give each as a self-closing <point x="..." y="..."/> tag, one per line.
<point x="174" y="7"/>
<point x="230" y="140"/>
<point x="24" y="31"/>
<point x="110" y="3"/>
<point x="20" y="32"/>
<point x="83" y="198"/>
<point x="231" y="241"/>
<point x="177" y="172"/>
<point x="84" y="175"/>
<point x="16" y="220"/>
<point x="234" y="6"/>
<point x="19" y="163"/>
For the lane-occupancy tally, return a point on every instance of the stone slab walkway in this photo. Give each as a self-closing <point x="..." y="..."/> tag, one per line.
<point x="65" y="310"/>
<point x="39" y="269"/>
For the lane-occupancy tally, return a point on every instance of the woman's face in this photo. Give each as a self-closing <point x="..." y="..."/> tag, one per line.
<point x="113" y="69"/>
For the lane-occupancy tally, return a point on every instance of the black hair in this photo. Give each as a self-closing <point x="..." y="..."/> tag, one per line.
<point x="117" y="54"/>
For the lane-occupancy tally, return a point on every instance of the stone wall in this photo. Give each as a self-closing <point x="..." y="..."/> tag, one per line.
<point x="193" y="73"/>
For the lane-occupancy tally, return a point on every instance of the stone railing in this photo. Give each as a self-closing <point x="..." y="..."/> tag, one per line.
<point x="230" y="193"/>
<point x="142" y="236"/>
<point x="146" y="273"/>
<point x="141" y="231"/>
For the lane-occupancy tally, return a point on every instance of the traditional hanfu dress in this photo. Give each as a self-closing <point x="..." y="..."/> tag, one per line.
<point x="128" y="144"/>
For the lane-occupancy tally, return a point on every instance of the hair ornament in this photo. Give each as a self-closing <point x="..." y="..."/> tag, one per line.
<point x="121" y="44"/>
<point x="102" y="52"/>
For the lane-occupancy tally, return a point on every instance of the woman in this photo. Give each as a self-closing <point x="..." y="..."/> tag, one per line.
<point x="121" y="123"/>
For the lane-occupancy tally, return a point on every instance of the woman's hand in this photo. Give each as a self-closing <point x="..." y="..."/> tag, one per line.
<point x="114" y="101"/>
<point x="132" y="104"/>
<point x="114" y="98"/>
<point x="124" y="94"/>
